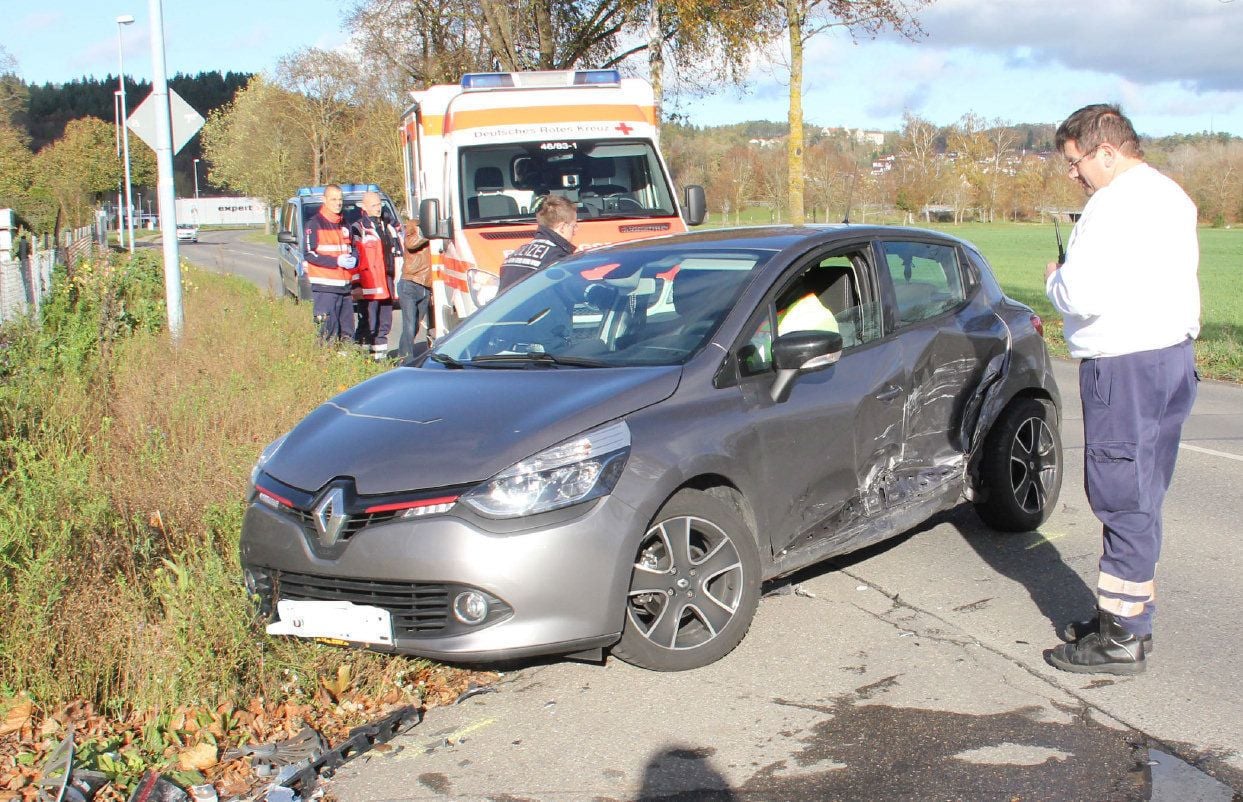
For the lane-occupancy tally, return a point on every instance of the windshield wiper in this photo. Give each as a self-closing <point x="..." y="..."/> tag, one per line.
<point x="447" y="360"/>
<point x="540" y="358"/>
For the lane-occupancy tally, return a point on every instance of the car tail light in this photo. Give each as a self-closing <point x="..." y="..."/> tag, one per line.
<point x="1038" y="324"/>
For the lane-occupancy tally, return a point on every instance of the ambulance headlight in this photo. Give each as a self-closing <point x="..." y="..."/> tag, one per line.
<point x="483" y="286"/>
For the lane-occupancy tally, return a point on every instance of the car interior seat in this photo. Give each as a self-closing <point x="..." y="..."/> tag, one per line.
<point x="599" y="177"/>
<point x="490" y="200"/>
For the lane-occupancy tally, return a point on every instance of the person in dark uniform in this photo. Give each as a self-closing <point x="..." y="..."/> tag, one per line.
<point x="557" y="219"/>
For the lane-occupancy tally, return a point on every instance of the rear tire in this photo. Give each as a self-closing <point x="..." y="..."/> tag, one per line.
<point x="1021" y="467"/>
<point x="694" y="586"/>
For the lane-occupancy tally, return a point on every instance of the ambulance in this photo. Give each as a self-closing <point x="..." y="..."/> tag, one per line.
<point x="481" y="156"/>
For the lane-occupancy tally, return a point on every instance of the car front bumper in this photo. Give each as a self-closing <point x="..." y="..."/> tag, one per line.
<point x="557" y="589"/>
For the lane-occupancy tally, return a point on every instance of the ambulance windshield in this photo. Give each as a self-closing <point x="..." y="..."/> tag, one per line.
<point x="606" y="179"/>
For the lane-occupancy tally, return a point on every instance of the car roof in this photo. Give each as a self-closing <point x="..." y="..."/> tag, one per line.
<point x="778" y="238"/>
<point x="351" y="191"/>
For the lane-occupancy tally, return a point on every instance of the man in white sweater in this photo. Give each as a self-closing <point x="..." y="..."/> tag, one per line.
<point x="1131" y="303"/>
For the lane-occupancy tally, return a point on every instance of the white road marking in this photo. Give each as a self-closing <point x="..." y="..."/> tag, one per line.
<point x="1211" y="452"/>
<point x="252" y="255"/>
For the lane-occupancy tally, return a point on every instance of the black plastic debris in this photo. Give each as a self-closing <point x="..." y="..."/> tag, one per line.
<point x="299" y="762"/>
<point x="154" y="787"/>
<point x="268" y="759"/>
<point x="474" y="690"/>
<point x="61" y="782"/>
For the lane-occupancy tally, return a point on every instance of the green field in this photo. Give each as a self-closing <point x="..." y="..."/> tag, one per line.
<point x="1018" y="253"/>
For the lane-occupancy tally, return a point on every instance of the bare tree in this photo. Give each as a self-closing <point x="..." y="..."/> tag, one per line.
<point x="323" y="87"/>
<point x="14" y="96"/>
<point x="918" y="165"/>
<point x="422" y="42"/>
<point x="804" y="19"/>
<point x="705" y="42"/>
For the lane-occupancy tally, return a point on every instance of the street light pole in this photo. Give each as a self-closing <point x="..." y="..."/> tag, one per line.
<point x="116" y="116"/>
<point x="164" y="163"/>
<point x="123" y="20"/>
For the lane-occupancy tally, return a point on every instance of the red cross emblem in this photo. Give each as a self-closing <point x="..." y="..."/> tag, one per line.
<point x="625" y="129"/>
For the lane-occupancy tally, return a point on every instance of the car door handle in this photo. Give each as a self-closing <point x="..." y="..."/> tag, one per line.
<point x="891" y="393"/>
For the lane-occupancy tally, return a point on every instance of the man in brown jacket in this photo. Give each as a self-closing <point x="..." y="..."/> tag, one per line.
<point x="413" y="289"/>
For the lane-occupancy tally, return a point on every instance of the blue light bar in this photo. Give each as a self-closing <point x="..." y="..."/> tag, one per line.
<point x="307" y="192"/>
<point x="597" y="77"/>
<point x="487" y="80"/>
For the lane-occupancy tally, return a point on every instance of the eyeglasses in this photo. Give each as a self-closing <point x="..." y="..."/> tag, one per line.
<point x="1074" y="165"/>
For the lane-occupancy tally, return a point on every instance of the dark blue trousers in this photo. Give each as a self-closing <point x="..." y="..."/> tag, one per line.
<point x="334" y="315"/>
<point x="1134" y="407"/>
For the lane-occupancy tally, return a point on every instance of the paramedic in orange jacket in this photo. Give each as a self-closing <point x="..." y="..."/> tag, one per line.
<point x="374" y="241"/>
<point x="331" y="267"/>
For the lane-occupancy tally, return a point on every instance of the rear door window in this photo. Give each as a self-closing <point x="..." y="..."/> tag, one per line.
<point x="927" y="279"/>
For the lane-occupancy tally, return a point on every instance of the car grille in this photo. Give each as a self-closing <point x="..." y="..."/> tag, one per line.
<point x="419" y="609"/>
<point x="353" y="524"/>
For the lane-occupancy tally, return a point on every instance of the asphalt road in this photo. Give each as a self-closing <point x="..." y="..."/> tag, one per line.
<point x="913" y="670"/>
<point x="226" y="251"/>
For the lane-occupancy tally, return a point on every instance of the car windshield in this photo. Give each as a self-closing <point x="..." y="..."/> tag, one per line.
<point x="606" y="179"/>
<point x="653" y="306"/>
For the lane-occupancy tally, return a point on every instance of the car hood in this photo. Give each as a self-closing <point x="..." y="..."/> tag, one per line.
<point x="412" y="428"/>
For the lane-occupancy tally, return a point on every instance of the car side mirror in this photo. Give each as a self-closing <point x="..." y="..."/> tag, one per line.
<point x="802" y="352"/>
<point x="431" y="226"/>
<point x="694" y="205"/>
<point x="286" y="237"/>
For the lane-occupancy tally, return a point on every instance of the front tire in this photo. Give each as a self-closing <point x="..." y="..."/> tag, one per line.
<point x="1021" y="467"/>
<point x="694" y="586"/>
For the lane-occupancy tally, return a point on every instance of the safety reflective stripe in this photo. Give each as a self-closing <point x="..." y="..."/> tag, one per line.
<point x="1125" y="609"/>
<point x="374" y="291"/>
<point x="327" y="248"/>
<point x="330" y="282"/>
<point x="1112" y="584"/>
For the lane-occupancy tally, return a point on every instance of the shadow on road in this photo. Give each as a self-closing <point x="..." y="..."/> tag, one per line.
<point x="1029" y="559"/>
<point x="678" y="773"/>
<point x="1025" y="557"/>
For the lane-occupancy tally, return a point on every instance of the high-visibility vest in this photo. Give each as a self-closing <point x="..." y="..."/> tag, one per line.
<point x="325" y="241"/>
<point x="372" y="270"/>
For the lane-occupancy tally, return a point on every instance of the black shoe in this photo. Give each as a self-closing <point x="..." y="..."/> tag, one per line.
<point x="1076" y="630"/>
<point x="1108" y="650"/>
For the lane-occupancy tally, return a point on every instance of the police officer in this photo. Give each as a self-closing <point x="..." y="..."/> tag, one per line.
<point x="558" y="219"/>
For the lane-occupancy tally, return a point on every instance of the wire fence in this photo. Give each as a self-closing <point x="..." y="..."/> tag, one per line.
<point x="26" y="267"/>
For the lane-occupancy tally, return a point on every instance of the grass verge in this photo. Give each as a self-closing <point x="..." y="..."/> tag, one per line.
<point x="123" y="467"/>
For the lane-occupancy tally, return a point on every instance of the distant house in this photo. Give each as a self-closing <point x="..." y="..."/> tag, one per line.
<point x="857" y="135"/>
<point x="765" y="143"/>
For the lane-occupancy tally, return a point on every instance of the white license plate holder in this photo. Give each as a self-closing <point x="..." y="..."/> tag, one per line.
<point x="334" y="620"/>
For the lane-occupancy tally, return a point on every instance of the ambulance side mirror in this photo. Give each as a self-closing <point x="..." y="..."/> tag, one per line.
<point x="694" y="205"/>
<point x="431" y="226"/>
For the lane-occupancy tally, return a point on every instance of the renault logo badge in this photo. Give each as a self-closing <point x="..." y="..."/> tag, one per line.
<point x="330" y="516"/>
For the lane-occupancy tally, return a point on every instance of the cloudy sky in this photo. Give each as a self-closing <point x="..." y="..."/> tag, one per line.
<point x="1175" y="65"/>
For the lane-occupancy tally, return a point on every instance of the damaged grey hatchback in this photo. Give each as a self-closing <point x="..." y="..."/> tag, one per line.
<point x="617" y="451"/>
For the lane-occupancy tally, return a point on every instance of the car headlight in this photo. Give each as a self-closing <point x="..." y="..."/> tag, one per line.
<point x="483" y="286"/>
<point x="263" y="458"/>
<point x="580" y="469"/>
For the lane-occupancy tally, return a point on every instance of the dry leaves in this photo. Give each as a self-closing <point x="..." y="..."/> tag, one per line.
<point x="17" y="716"/>
<point x="198" y="758"/>
<point x="28" y="734"/>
